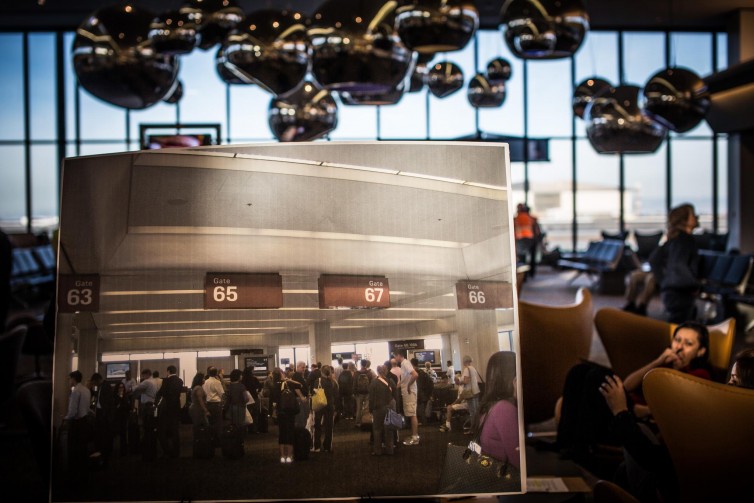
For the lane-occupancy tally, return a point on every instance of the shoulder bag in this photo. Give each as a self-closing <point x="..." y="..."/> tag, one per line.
<point x="319" y="399"/>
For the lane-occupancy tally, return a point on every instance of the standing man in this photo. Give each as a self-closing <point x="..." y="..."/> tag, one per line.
<point x="528" y="235"/>
<point x="215" y="391"/>
<point x="78" y="408"/>
<point x="145" y="392"/>
<point x="451" y="372"/>
<point x="169" y="413"/>
<point x="363" y="380"/>
<point x="408" y="394"/>
<point x="470" y="381"/>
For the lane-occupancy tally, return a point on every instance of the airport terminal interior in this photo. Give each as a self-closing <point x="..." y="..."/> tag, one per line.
<point x="526" y="219"/>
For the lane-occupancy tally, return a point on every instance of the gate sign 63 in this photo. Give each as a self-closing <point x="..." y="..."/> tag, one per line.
<point x="78" y="293"/>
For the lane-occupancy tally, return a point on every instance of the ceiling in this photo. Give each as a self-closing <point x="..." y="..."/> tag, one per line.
<point x="153" y="224"/>
<point x="604" y="14"/>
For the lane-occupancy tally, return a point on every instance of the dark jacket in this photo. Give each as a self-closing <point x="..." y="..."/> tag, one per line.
<point x="675" y="265"/>
<point x="380" y="394"/>
<point x="170" y="394"/>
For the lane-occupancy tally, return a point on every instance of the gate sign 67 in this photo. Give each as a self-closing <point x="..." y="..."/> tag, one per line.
<point x="78" y="293"/>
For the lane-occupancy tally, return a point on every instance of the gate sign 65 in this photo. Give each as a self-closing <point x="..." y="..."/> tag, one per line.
<point x="484" y="295"/>
<point x="243" y="291"/>
<point x="78" y="293"/>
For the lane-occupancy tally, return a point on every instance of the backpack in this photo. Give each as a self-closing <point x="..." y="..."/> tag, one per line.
<point x="288" y="400"/>
<point x="426" y="386"/>
<point x="345" y="382"/>
<point x="362" y="383"/>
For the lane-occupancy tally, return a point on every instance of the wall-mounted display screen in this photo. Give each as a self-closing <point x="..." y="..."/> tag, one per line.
<point x="425" y="356"/>
<point x="117" y="370"/>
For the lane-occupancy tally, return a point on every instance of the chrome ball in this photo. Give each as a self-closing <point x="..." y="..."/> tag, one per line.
<point x="585" y="93"/>
<point x="176" y="31"/>
<point x="175" y="95"/>
<point x="228" y="73"/>
<point x="677" y="98"/>
<point x="444" y="79"/>
<point x="499" y="69"/>
<point x="355" y="47"/>
<point x="485" y="93"/>
<point x="270" y="49"/>
<point x="544" y="29"/>
<point x="218" y="18"/>
<point x="617" y="125"/>
<point x="114" y="61"/>
<point x="308" y="113"/>
<point x="430" y="26"/>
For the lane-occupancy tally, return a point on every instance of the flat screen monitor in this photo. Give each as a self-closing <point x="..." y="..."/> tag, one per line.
<point x="425" y="356"/>
<point x="154" y="136"/>
<point x="116" y="370"/>
<point x="259" y="362"/>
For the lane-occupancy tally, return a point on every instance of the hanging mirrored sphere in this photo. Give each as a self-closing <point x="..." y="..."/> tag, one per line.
<point x="270" y="48"/>
<point x="617" y="125"/>
<point x="218" y="18"/>
<point x="114" y="61"/>
<point x="308" y="113"/>
<point x="175" y="95"/>
<point x="585" y="93"/>
<point x="418" y="78"/>
<point x="227" y="72"/>
<point x="424" y="58"/>
<point x="430" y="26"/>
<point x="499" y="69"/>
<point x="445" y="78"/>
<point x="544" y="29"/>
<point x="390" y="97"/>
<point x="176" y="31"/>
<point x="485" y="93"/>
<point x="677" y="98"/>
<point x="355" y="47"/>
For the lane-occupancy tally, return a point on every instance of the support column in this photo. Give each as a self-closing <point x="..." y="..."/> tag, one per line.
<point x="741" y="145"/>
<point x="477" y="336"/>
<point x="320" y="342"/>
<point x="87" y="352"/>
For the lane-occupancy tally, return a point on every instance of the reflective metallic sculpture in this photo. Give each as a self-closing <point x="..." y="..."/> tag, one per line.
<point x="227" y="72"/>
<point x="175" y="95"/>
<point x="390" y="97"/>
<point x="176" y="31"/>
<point x="430" y="26"/>
<point x="485" y="93"/>
<point x="544" y="29"/>
<point x="677" y="98"/>
<point x="445" y="78"/>
<point x="585" y="93"/>
<point x="355" y="47"/>
<point x="218" y="18"/>
<point x="418" y="78"/>
<point x="617" y="125"/>
<point x="114" y="61"/>
<point x="271" y="49"/>
<point x="306" y="114"/>
<point x="499" y="69"/>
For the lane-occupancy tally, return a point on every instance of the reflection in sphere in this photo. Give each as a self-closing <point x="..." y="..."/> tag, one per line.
<point x="218" y="18"/>
<point x="175" y="94"/>
<point x="271" y="49"/>
<point x="499" y="69"/>
<point x="445" y="78"/>
<point x="676" y="98"/>
<point x="114" y="61"/>
<point x="544" y="29"/>
<point x="585" y="93"/>
<point x="484" y="93"/>
<point x="306" y="114"/>
<point x="430" y="26"/>
<point x="390" y="97"/>
<point x="617" y="125"/>
<point x="227" y="72"/>
<point x="176" y="31"/>
<point x="355" y="47"/>
<point x="418" y="78"/>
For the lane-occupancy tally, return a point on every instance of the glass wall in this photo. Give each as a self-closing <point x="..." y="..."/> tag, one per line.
<point x="47" y="116"/>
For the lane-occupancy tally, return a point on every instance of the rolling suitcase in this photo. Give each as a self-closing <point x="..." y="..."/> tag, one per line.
<point x="366" y="421"/>
<point x="302" y="442"/>
<point x="231" y="442"/>
<point x="203" y="443"/>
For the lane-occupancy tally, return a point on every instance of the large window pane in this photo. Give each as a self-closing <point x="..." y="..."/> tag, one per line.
<point x="44" y="184"/>
<point x="722" y="184"/>
<point x="159" y="113"/>
<point x="597" y="196"/>
<point x="355" y="122"/>
<point x="42" y="86"/>
<point x="692" y="176"/>
<point x="645" y="191"/>
<point x="70" y="87"/>
<point x="100" y="120"/>
<point x="11" y="87"/>
<point x="203" y="91"/>
<point x="407" y="119"/>
<point x="722" y="51"/>
<point x="248" y="114"/>
<point x="643" y="56"/>
<point x="508" y="119"/>
<point x="550" y="93"/>
<point x="12" y="188"/>
<point x="693" y="51"/>
<point x="452" y="116"/>
<point x="103" y="148"/>
<point x="550" y="195"/>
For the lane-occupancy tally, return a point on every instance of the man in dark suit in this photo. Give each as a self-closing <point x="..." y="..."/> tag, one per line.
<point x="169" y="413"/>
<point x="103" y="404"/>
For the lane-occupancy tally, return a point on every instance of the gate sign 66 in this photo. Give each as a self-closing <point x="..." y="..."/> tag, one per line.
<point x="484" y="295"/>
<point x="78" y="293"/>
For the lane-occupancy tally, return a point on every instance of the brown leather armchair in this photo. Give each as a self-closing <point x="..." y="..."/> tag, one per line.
<point x="609" y="492"/>
<point x="707" y="428"/>
<point x="553" y="339"/>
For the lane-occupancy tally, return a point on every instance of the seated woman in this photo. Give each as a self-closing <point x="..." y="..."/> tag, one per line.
<point x="586" y="419"/>
<point x="496" y="425"/>
<point x="742" y="371"/>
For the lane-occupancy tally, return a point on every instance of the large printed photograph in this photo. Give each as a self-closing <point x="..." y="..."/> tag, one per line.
<point x="329" y="320"/>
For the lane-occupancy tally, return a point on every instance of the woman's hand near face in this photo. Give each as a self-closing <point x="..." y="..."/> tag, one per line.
<point x="668" y="357"/>
<point x="615" y="395"/>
